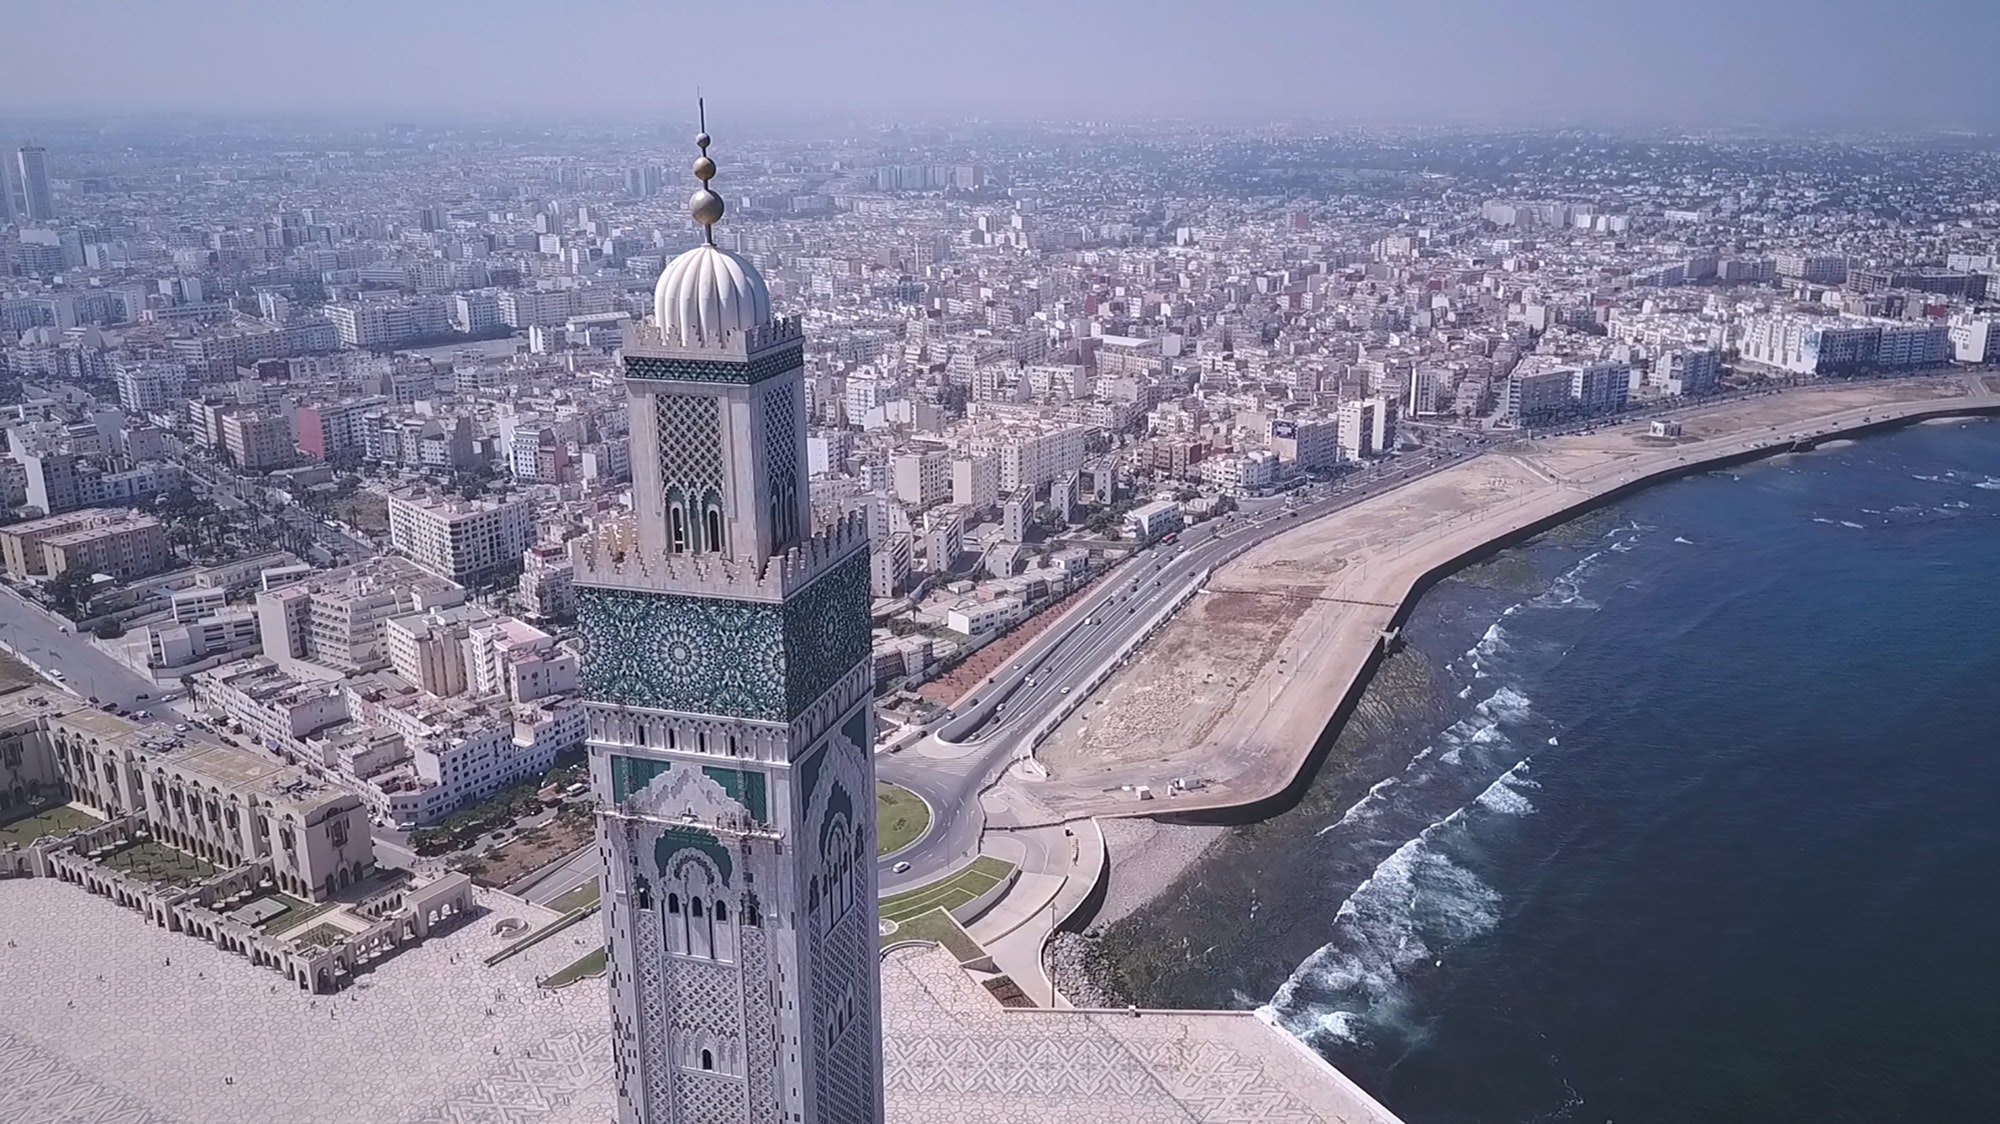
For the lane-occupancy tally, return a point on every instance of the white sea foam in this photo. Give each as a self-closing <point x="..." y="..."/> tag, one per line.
<point x="1553" y="741"/>
<point x="1927" y="479"/>
<point x="1466" y="693"/>
<point x="1504" y="794"/>
<point x="1828" y="522"/>
<point x="1415" y="905"/>
<point x="1846" y="523"/>
<point x="1622" y="547"/>
<point x="1506" y="705"/>
<point x="1990" y="484"/>
<point x="1682" y="541"/>
<point x="1365" y="807"/>
<point x="1451" y="756"/>
<point x="1955" y="505"/>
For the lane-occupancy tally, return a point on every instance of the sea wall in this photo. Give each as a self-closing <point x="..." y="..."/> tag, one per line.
<point x="1347" y="681"/>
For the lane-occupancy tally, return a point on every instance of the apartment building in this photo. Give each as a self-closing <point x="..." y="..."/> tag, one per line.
<point x="257" y="442"/>
<point x="923" y="478"/>
<point x="548" y="583"/>
<point x="332" y="622"/>
<point x="467" y="541"/>
<point x="123" y="544"/>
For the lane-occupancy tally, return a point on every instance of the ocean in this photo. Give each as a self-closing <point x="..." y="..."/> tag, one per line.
<point x="1688" y="823"/>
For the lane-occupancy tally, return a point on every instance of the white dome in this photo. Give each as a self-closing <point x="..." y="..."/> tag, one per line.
<point x="706" y="293"/>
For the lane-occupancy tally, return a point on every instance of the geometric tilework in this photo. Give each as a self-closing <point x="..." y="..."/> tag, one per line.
<point x="37" y="1087"/>
<point x="781" y="469"/>
<point x="826" y="631"/>
<point x="952" y="1054"/>
<point x="107" y="1019"/>
<point x="415" y="1044"/>
<point x="733" y="372"/>
<point x="701" y="655"/>
<point x="729" y="658"/>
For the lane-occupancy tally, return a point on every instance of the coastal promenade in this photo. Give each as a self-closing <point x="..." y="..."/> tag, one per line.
<point x="1252" y="678"/>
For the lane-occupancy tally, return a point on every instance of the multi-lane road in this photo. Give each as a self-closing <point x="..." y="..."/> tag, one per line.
<point x="966" y="750"/>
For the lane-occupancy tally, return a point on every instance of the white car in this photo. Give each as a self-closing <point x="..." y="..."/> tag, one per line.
<point x="901" y="868"/>
<point x="58" y="674"/>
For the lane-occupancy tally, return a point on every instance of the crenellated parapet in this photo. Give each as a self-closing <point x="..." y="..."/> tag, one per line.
<point x="611" y="558"/>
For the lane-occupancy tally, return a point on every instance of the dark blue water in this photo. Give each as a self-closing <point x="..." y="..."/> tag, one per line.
<point x="1714" y="834"/>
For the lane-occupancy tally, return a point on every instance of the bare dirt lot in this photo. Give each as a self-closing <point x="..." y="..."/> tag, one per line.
<point x="1238" y="687"/>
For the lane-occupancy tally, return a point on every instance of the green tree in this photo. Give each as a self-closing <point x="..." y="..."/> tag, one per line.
<point x="70" y="592"/>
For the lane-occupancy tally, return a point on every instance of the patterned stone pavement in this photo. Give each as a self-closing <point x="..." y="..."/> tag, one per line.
<point x="953" y="1054"/>
<point x="96" y="1026"/>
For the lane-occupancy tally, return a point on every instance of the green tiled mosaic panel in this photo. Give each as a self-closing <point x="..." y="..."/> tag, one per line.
<point x="755" y="371"/>
<point x="739" y="659"/>
<point x="826" y="631"/>
<point x="696" y="654"/>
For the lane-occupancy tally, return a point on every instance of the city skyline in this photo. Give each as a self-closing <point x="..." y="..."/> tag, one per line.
<point x="1546" y="62"/>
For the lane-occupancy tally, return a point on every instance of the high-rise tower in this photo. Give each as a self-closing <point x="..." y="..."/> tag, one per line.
<point x="31" y="164"/>
<point x="731" y="727"/>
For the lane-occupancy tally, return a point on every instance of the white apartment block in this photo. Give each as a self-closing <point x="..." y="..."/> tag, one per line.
<point x="1975" y="339"/>
<point x="277" y="711"/>
<point x="548" y="583"/>
<point x="333" y="622"/>
<point x="461" y="749"/>
<point x="975" y="482"/>
<point x="1306" y="442"/>
<point x="1601" y="388"/>
<point x="1815" y="269"/>
<point x="1841" y="345"/>
<point x="464" y="540"/>
<point x="1536" y="394"/>
<point x="923" y="478"/>
<point x="1367" y="427"/>
<point x="1030" y="460"/>
<point x="1241" y="474"/>
<point x="517" y="661"/>
<point x="150" y="386"/>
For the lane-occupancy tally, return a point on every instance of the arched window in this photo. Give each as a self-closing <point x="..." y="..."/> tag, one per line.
<point x="714" y="530"/>
<point x="694" y="907"/>
<point x="673" y="903"/>
<point x="708" y="1059"/>
<point x="645" y="896"/>
<point x="721" y="912"/>
<point x="677" y="521"/>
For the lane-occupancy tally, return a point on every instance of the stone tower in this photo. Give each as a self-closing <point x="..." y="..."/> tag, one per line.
<point x="731" y="728"/>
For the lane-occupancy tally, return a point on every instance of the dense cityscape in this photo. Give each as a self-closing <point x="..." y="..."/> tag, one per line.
<point x="334" y="498"/>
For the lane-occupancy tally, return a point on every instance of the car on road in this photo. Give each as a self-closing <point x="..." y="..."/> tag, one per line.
<point x="1065" y="690"/>
<point x="95" y="699"/>
<point x="142" y="695"/>
<point x="58" y="673"/>
<point x="901" y="868"/>
<point x="180" y="727"/>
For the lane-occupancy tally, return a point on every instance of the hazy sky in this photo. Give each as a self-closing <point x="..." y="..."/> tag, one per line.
<point x="1712" y="62"/>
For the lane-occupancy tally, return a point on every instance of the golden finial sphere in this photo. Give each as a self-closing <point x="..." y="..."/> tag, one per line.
<point x="704" y="168"/>
<point x="706" y="206"/>
<point x="701" y="140"/>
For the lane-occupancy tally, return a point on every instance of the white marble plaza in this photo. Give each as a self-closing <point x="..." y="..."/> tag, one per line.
<point x="96" y="1026"/>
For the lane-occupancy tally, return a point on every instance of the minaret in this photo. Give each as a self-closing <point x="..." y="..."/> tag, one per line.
<point x="731" y="727"/>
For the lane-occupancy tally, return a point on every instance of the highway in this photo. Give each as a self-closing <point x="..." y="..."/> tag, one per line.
<point x="36" y="635"/>
<point x="967" y="750"/>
